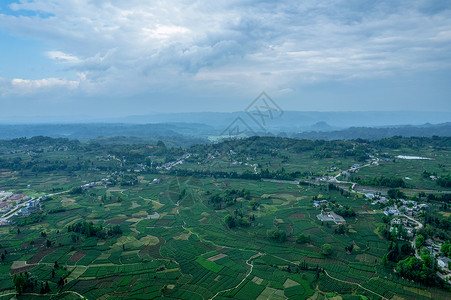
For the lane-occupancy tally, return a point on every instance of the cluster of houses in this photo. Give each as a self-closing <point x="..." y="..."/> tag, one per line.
<point x="326" y="179"/>
<point x="23" y="205"/>
<point x="412" y="208"/>
<point x="409" y="208"/>
<point x="31" y="207"/>
<point x="33" y="150"/>
<point x="376" y="199"/>
<point x="103" y="182"/>
<point x="317" y="203"/>
<point x="328" y="216"/>
<point x="407" y="224"/>
<point x="90" y="185"/>
<point x="434" y="247"/>
<point x="8" y="200"/>
<point x="171" y="164"/>
<point x="401" y="214"/>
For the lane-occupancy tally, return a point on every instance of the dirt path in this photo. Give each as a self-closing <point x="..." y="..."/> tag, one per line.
<point x="357" y="284"/>
<point x="260" y="254"/>
<point x="12" y="292"/>
<point x="249" y="263"/>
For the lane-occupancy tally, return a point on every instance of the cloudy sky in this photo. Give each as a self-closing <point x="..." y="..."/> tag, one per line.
<point x="113" y="57"/>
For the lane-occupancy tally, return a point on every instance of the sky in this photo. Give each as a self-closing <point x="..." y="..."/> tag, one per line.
<point x="112" y="58"/>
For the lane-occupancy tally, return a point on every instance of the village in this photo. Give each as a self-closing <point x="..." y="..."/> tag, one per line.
<point x="17" y="205"/>
<point x="403" y="223"/>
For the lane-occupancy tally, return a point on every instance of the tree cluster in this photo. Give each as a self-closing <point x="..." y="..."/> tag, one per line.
<point x="238" y="220"/>
<point x="89" y="229"/>
<point x="391" y="182"/>
<point x="276" y="234"/>
<point x="418" y="270"/>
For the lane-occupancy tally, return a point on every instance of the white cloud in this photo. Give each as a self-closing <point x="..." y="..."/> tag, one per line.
<point x="63" y="57"/>
<point x="43" y="83"/>
<point x="54" y="86"/>
<point x="135" y="46"/>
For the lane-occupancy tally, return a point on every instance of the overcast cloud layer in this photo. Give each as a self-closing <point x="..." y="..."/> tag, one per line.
<point x="113" y="57"/>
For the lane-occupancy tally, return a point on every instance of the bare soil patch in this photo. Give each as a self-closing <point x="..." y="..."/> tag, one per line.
<point x="289" y="228"/>
<point x="165" y="220"/>
<point x="183" y="236"/>
<point x="77" y="256"/>
<point x="21" y="270"/>
<point x="68" y="202"/>
<point x="217" y="257"/>
<point x="38" y="256"/>
<point x="313" y="231"/>
<point x="116" y="221"/>
<point x="257" y="280"/>
<point x="290" y="283"/>
<point x="297" y="216"/>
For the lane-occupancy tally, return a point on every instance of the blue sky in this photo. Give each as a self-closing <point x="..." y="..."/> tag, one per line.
<point x="109" y="58"/>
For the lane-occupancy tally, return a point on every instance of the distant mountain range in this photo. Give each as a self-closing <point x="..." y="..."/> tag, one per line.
<point x="201" y="133"/>
<point x="94" y="130"/>
<point x="297" y="121"/>
<point x="374" y="133"/>
<point x="286" y="121"/>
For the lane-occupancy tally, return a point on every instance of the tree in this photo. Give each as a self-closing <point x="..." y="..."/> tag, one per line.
<point x="446" y="249"/>
<point x="419" y="241"/>
<point x="254" y="204"/>
<point x="303" y="238"/>
<point x="230" y="221"/>
<point x="415" y="269"/>
<point x="340" y="229"/>
<point x="277" y="235"/>
<point x="326" y="250"/>
<point x="161" y="144"/>
<point x="19" y="282"/>
<point x="61" y="282"/>
<point x="117" y="230"/>
<point x="395" y="194"/>
<point x="384" y="260"/>
<point x="76" y="191"/>
<point x="3" y="257"/>
<point x="74" y="237"/>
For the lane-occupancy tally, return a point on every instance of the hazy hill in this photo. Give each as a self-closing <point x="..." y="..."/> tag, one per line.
<point x="200" y="132"/>
<point x="291" y="121"/>
<point x="426" y="130"/>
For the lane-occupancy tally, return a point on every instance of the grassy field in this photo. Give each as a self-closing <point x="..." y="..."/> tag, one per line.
<point x="174" y="242"/>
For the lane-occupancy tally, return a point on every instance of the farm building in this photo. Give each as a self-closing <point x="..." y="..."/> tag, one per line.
<point x="331" y="217"/>
<point x="444" y="262"/>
